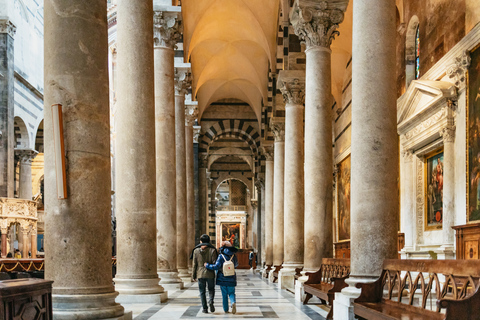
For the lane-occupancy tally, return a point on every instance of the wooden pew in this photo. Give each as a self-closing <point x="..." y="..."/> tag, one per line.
<point x="275" y="273"/>
<point x="330" y="278"/>
<point x="421" y="289"/>
<point x="267" y="270"/>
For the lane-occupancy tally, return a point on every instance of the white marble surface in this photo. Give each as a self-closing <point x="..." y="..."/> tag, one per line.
<point x="256" y="299"/>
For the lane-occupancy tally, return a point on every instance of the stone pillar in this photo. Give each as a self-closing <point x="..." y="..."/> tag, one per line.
<point x="196" y="181"/>
<point x="181" y="85"/>
<point x="260" y="185"/>
<point x="203" y="186"/>
<point x="7" y="135"/>
<point x="278" y="128"/>
<point x="164" y="41"/>
<point x="191" y="113"/>
<point x="4" y="242"/>
<point x="24" y="231"/>
<point x="448" y="135"/>
<point x="26" y="157"/>
<point x="76" y="76"/>
<point x="375" y="152"/>
<point x="137" y="278"/>
<point x="407" y="194"/>
<point x="318" y="125"/>
<point x="33" y="237"/>
<point x="292" y="85"/>
<point x="269" y="187"/>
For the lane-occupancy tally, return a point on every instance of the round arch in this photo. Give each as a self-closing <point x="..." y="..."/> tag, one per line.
<point x="22" y="139"/>
<point x="412" y="27"/>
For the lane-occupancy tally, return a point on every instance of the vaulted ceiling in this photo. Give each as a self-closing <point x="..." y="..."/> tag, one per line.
<point x="230" y="44"/>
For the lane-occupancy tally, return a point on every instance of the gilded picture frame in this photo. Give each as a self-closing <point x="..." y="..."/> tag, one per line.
<point x="433" y="205"/>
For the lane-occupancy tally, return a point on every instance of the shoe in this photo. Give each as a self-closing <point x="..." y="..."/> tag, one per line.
<point x="205" y="310"/>
<point x="234" y="308"/>
<point x="212" y="308"/>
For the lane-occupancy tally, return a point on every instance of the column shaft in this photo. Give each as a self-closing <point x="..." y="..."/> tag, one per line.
<point x="202" y="197"/>
<point x="294" y="187"/>
<point x="278" y="202"/>
<point x="375" y="154"/>
<point x="166" y="167"/>
<point x="4" y="243"/>
<point x="190" y="235"/>
<point x="269" y="186"/>
<point x="25" y="180"/>
<point x="135" y="155"/>
<point x="25" y="242"/>
<point x="33" y="249"/>
<point x="76" y="76"/>
<point x="318" y="158"/>
<point x="448" y="188"/>
<point x="182" y="249"/>
<point x="408" y="199"/>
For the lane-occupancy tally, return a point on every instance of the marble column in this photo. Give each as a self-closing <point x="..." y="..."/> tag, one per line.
<point x="26" y="157"/>
<point x="136" y="279"/>
<point x="182" y="77"/>
<point x="76" y="76"/>
<point x="196" y="182"/>
<point x="408" y="199"/>
<point x="448" y="219"/>
<point x="33" y="240"/>
<point x="260" y="185"/>
<point x="24" y="233"/>
<point x="278" y="128"/>
<point x="165" y="37"/>
<point x="375" y="152"/>
<point x="269" y="187"/>
<point x="191" y="113"/>
<point x="318" y="124"/>
<point x="4" y="242"/>
<point x="292" y="86"/>
<point x="202" y="193"/>
<point x="7" y="135"/>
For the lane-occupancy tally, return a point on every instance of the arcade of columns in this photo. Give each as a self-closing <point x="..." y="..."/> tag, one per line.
<point x="153" y="186"/>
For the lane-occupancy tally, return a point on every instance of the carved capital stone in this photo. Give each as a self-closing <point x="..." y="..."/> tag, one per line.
<point x="183" y="80"/>
<point x="260" y="184"/>
<point x="26" y="156"/>
<point x="407" y="155"/>
<point x="457" y="71"/>
<point x="316" y="22"/>
<point x="448" y="134"/>
<point x="203" y="162"/>
<point x="278" y="128"/>
<point x="191" y="114"/>
<point x="268" y="151"/>
<point x="292" y="85"/>
<point x="6" y="26"/>
<point x="196" y="133"/>
<point x="167" y="29"/>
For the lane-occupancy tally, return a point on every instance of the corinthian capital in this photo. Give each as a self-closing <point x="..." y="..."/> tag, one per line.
<point x="278" y="128"/>
<point x="316" y="22"/>
<point x="183" y="79"/>
<point x="191" y="113"/>
<point x="6" y="26"/>
<point x="167" y="29"/>
<point x="26" y="156"/>
<point x="292" y="85"/>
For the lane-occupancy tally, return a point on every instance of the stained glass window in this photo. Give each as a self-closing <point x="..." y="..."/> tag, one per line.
<point x="417" y="53"/>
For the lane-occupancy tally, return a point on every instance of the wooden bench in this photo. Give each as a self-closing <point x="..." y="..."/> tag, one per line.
<point x="330" y="278"/>
<point x="267" y="270"/>
<point x="422" y="289"/>
<point x="275" y="272"/>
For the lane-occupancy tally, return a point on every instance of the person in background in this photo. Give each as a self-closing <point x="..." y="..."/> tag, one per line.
<point x="9" y="255"/>
<point x="204" y="253"/>
<point x="18" y="255"/>
<point x="227" y="284"/>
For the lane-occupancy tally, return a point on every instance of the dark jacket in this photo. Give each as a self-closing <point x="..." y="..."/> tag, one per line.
<point x="200" y="256"/>
<point x="227" y="252"/>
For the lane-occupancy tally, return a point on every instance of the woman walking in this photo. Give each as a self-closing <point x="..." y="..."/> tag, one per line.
<point x="227" y="283"/>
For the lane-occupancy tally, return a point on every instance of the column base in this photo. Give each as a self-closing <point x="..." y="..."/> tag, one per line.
<point x="184" y="275"/>
<point x="142" y="298"/>
<point x="343" y="303"/>
<point x="270" y="276"/>
<point x="446" y="251"/>
<point x="170" y="280"/>
<point x="91" y="306"/>
<point x="286" y="279"/>
<point x="141" y="287"/>
<point x="300" y="288"/>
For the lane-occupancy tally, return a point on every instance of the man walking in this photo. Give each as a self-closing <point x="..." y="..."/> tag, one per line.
<point x="203" y="253"/>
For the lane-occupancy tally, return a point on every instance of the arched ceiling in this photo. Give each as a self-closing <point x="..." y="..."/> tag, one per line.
<point x="230" y="44"/>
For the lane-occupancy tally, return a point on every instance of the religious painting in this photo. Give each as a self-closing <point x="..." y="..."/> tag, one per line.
<point x="343" y="200"/>
<point x="473" y="140"/>
<point x="434" y="190"/>
<point x="231" y="232"/>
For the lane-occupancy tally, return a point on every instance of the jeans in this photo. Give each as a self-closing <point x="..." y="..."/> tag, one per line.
<point x="227" y="292"/>
<point x="202" y="284"/>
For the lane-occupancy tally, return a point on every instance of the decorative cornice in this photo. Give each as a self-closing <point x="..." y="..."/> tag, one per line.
<point x="316" y="23"/>
<point x="278" y="129"/>
<point x="191" y="114"/>
<point x="26" y="156"/>
<point x="167" y="29"/>
<point x="293" y="92"/>
<point x="182" y="81"/>
<point x="458" y="70"/>
<point x="6" y="26"/>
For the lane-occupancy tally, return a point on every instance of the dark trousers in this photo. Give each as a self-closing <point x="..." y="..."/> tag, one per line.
<point x="202" y="285"/>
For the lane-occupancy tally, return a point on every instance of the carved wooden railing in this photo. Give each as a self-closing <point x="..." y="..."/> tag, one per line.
<point x="22" y="265"/>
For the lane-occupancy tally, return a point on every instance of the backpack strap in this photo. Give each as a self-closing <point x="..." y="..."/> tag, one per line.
<point x="224" y="258"/>
<point x="231" y="257"/>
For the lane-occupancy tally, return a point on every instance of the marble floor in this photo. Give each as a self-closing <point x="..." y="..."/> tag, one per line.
<point x="256" y="299"/>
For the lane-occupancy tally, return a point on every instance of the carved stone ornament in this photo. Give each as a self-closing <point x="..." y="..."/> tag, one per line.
<point x="254" y="204"/>
<point x="293" y="92"/>
<point x="316" y="25"/>
<point x="260" y="184"/>
<point x="203" y="162"/>
<point x="407" y="155"/>
<point x="6" y="26"/>
<point x="278" y="129"/>
<point x="191" y="114"/>
<point x="196" y="133"/>
<point x="458" y="70"/>
<point x="167" y="29"/>
<point x="448" y="134"/>
<point x="182" y="81"/>
<point x="26" y="156"/>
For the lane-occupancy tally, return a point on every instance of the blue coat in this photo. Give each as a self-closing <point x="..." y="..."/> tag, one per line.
<point x="228" y="252"/>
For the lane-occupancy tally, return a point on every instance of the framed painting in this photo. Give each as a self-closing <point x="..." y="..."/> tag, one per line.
<point x="343" y="200"/>
<point x="473" y="137"/>
<point x="434" y="190"/>
<point x="231" y="232"/>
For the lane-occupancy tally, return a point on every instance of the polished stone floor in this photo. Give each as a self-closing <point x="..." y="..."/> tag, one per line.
<point x="256" y="299"/>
